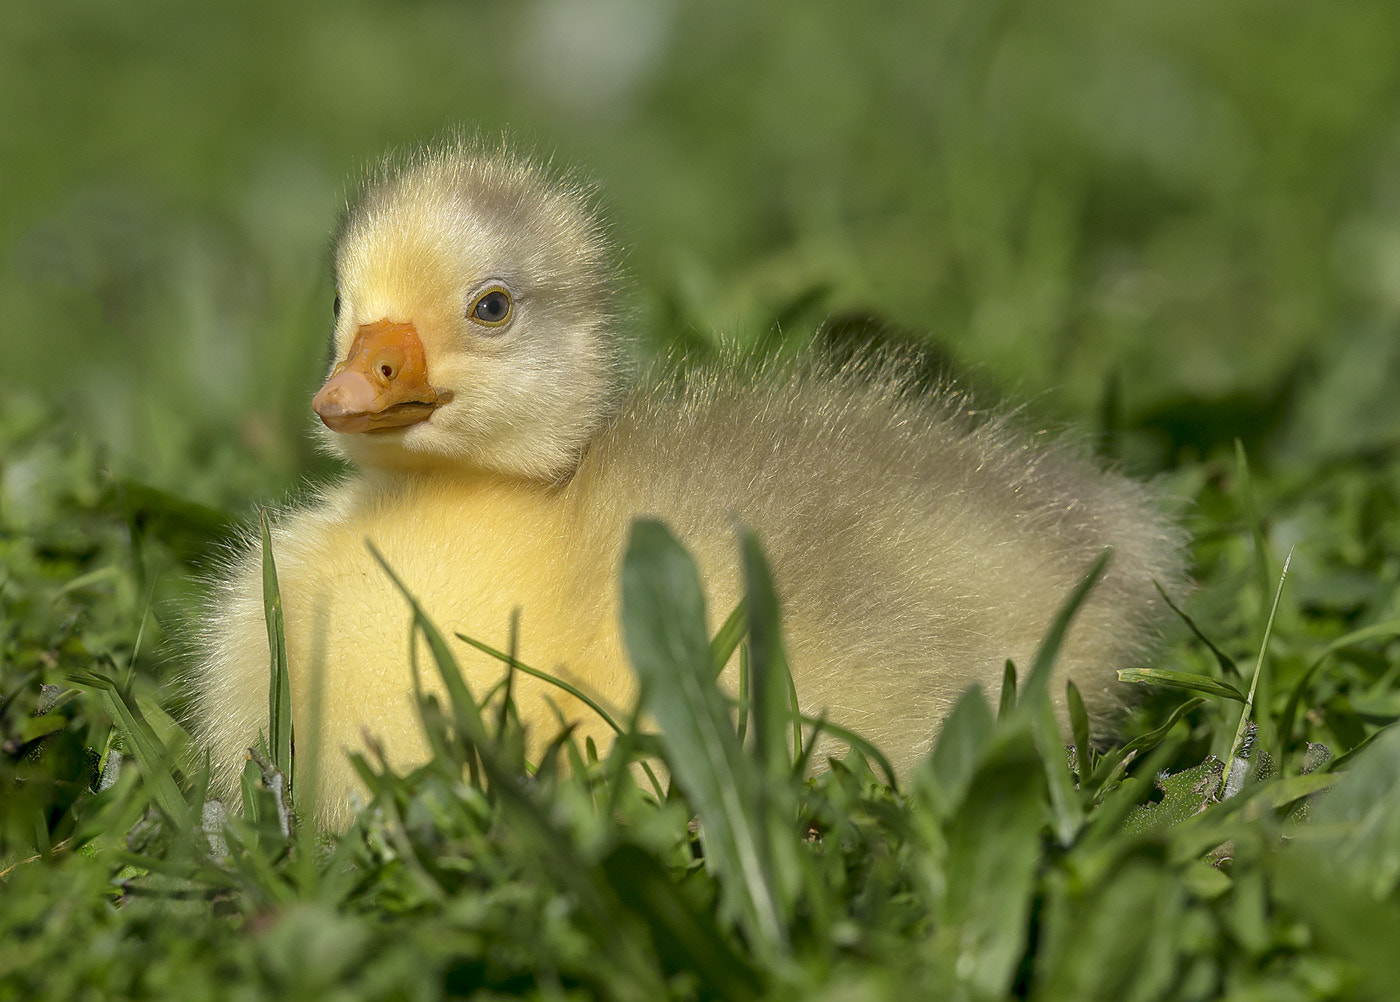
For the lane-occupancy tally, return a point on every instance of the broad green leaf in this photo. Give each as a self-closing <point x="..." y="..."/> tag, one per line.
<point x="1358" y="822"/>
<point x="663" y="622"/>
<point x="1118" y="938"/>
<point x="1337" y="900"/>
<point x="681" y="932"/>
<point x="993" y="849"/>
<point x="945" y="774"/>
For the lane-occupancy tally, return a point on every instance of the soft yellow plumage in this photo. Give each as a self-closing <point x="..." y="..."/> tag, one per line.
<point x="916" y="545"/>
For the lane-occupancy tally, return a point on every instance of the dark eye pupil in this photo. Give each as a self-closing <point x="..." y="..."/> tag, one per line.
<point x="335" y="307"/>
<point x="492" y="307"/>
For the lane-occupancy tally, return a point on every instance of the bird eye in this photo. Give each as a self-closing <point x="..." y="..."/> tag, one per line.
<point x="335" y="307"/>
<point x="492" y="308"/>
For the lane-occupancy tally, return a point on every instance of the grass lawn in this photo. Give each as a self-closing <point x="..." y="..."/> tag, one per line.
<point x="1173" y="229"/>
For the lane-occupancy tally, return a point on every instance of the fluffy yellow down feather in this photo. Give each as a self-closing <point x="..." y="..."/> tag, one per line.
<point x="477" y="384"/>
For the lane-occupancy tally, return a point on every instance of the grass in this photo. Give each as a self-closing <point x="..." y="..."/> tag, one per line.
<point x="1004" y="867"/>
<point x="1174" y="228"/>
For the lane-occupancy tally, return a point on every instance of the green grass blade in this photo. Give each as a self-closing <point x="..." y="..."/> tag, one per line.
<point x="727" y="637"/>
<point x="544" y="676"/>
<point x="993" y="850"/>
<point x="772" y="682"/>
<point x="550" y="848"/>
<point x="1067" y="810"/>
<point x="506" y="712"/>
<point x="1116" y="758"/>
<point x="1343" y="760"/>
<point x="566" y="686"/>
<point x="743" y="703"/>
<point x="820" y="725"/>
<point x="466" y="710"/>
<point x="152" y="757"/>
<point x="1181" y="680"/>
<point x="942" y="778"/>
<point x="1079" y="729"/>
<point x="1121" y="795"/>
<point x="1360" y="819"/>
<point x="279" y="700"/>
<point x="1260" y="682"/>
<point x="1227" y="663"/>
<point x="663" y="621"/>
<point x="677" y="926"/>
<point x="1248" y="707"/>
<point x="797" y="750"/>
<point x="1006" y="703"/>
<point x="1037" y="686"/>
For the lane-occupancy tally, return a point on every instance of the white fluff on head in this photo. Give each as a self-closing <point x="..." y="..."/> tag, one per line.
<point x="916" y="543"/>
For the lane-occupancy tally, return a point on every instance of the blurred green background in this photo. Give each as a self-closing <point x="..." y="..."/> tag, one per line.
<point x="1178" y="221"/>
<point x="1164" y="224"/>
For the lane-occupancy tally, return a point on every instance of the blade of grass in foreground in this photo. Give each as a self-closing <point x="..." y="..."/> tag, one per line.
<point x="1079" y="730"/>
<point x="279" y="699"/>
<point x="775" y="711"/>
<point x="512" y="661"/>
<point x="772" y="683"/>
<point x="549" y="846"/>
<point x="993" y="850"/>
<point x="820" y="725"/>
<point x="728" y="636"/>
<point x="1118" y="759"/>
<point x="573" y="690"/>
<point x="152" y="757"/>
<point x="1006" y="703"/>
<point x="1068" y="812"/>
<point x="663" y="622"/>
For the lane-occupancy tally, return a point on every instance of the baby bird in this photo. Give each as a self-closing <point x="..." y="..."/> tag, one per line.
<point x="477" y="384"/>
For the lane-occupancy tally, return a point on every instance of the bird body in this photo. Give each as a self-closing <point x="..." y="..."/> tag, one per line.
<point x="916" y="543"/>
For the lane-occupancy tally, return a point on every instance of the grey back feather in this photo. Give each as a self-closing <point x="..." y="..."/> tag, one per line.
<point x="917" y="541"/>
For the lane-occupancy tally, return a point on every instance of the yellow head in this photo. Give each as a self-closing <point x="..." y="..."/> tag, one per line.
<point x="473" y="329"/>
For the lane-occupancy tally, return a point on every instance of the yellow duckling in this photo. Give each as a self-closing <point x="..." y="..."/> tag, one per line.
<point x="476" y="384"/>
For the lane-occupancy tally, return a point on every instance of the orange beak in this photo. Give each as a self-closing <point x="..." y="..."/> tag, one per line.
<point x="381" y="384"/>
